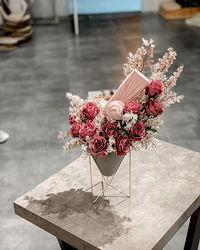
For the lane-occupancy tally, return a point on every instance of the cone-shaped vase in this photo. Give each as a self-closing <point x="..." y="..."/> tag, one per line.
<point x="108" y="165"/>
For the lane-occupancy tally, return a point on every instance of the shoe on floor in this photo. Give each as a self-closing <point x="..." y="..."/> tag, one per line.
<point x="3" y="136"/>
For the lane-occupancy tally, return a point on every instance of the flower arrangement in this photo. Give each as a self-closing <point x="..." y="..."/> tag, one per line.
<point x="104" y="125"/>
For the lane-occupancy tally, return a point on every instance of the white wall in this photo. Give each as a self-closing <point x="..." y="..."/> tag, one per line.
<point x="60" y="8"/>
<point x="151" y="5"/>
<point x="45" y="8"/>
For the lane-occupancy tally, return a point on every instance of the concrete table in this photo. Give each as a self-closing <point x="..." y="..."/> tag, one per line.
<point x="166" y="192"/>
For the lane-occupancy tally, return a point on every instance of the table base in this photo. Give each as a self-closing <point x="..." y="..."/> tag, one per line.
<point x="65" y="246"/>
<point x="193" y="234"/>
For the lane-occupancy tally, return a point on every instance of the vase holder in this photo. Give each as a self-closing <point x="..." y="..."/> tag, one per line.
<point x="106" y="182"/>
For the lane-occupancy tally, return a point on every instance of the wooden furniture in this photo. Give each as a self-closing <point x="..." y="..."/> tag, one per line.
<point x="166" y="192"/>
<point x="16" y="25"/>
<point x="172" y="10"/>
<point x="8" y="43"/>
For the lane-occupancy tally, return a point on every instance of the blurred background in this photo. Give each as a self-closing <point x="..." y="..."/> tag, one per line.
<point x="50" y="47"/>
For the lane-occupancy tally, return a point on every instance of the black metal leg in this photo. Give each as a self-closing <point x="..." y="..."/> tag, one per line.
<point x="65" y="246"/>
<point x="193" y="234"/>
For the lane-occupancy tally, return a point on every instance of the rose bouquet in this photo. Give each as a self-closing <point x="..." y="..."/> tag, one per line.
<point x="130" y="119"/>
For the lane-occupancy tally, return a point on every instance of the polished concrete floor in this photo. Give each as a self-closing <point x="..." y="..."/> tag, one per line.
<point x="33" y="108"/>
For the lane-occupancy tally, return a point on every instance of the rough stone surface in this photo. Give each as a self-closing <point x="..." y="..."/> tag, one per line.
<point x="165" y="192"/>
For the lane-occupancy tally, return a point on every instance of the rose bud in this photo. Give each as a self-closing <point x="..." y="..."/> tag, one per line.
<point x="154" y="107"/>
<point x="72" y="119"/>
<point x="89" y="111"/>
<point x="98" y="145"/>
<point x="87" y="129"/>
<point x="109" y="129"/>
<point x="132" y="106"/>
<point x="114" y="110"/>
<point x="137" y="131"/>
<point x="75" y="128"/>
<point x="122" y="145"/>
<point x="155" y="88"/>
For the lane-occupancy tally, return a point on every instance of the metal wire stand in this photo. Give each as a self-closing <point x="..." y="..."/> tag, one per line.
<point x="106" y="182"/>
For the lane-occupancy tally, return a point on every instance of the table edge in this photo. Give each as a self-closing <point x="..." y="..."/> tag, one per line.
<point x="177" y="225"/>
<point x="47" y="226"/>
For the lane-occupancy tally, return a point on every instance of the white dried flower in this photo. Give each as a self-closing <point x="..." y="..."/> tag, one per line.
<point x="85" y="152"/>
<point x="130" y="118"/>
<point x="98" y="120"/>
<point x="87" y="138"/>
<point x="64" y="135"/>
<point x="171" y="82"/>
<point x="110" y="146"/>
<point x="75" y="112"/>
<point x="72" y="144"/>
<point x="110" y="119"/>
<point x="158" y="76"/>
<point x="142" y="58"/>
<point x="164" y="63"/>
<point x="154" y="123"/>
<point x="142" y="98"/>
<point x="75" y="100"/>
<point x="170" y="98"/>
<point x="101" y="103"/>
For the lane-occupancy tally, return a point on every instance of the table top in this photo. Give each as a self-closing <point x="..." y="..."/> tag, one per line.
<point x="165" y="192"/>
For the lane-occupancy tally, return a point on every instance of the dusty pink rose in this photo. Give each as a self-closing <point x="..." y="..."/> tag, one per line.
<point x="72" y="119"/>
<point x="137" y="131"/>
<point x="110" y="129"/>
<point x="133" y="107"/>
<point x="75" y="128"/>
<point x="98" y="145"/>
<point x="155" y="88"/>
<point x="154" y="107"/>
<point x="114" y="110"/>
<point x="87" y="129"/>
<point x="89" y="111"/>
<point x="123" y="145"/>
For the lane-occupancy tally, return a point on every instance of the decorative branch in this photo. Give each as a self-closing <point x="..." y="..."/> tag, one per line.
<point x="72" y="144"/>
<point x="142" y="58"/>
<point x="164" y="63"/>
<point x="75" y="100"/>
<point x="170" y="98"/>
<point x="171" y="82"/>
<point x="64" y="135"/>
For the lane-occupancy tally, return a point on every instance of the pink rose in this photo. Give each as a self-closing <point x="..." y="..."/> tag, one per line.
<point x="154" y="107"/>
<point x="133" y="107"/>
<point x="72" y="119"/>
<point x="87" y="129"/>
<point x="137" y="131"/>
<point x="114" y="110"/>
<point x="110" y="129"/>
<point x="155" y="88"/>
<point x="98" y="145"/>
<point x="75" y="129"/>
<point x="89" y="111"/>
<point x="123" y="145"/>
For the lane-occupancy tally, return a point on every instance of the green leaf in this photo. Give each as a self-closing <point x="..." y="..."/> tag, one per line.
<point x="152" y="129"/>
